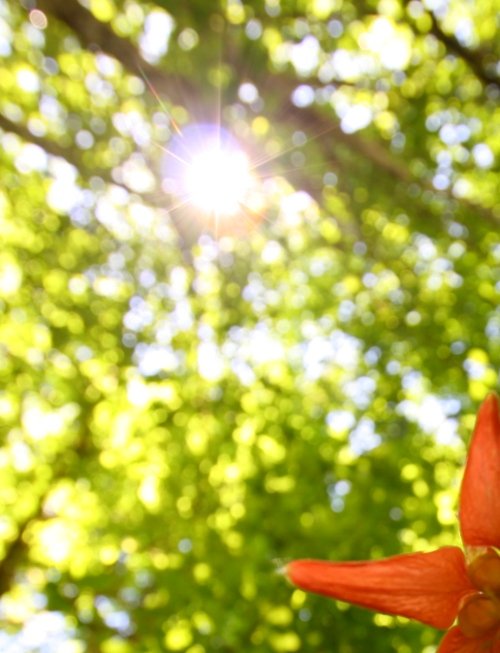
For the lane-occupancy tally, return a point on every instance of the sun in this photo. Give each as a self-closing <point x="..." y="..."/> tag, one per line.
<point x="206" y="169"/>
<point x="218" y="180"/>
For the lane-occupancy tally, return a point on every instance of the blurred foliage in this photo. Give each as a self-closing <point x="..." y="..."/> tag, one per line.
<point x="186" y="404"/>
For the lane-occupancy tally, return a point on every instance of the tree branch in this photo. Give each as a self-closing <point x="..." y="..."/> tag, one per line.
<point x="98" y="36"/>
<point x="71" y="156"/>
<point x="95" y="34"/>
<point x="471" y="57"/>
<point x="15" y="553"/>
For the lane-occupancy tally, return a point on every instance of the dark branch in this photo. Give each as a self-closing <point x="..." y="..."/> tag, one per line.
<point x="471" y="57"/>
<point x="99" y="36"/>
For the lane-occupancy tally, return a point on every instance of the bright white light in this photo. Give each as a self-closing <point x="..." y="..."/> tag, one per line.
<point x="211" y="178"/>
<point x="218" y="180"/>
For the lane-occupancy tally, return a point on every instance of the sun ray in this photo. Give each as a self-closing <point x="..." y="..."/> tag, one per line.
<point x="173" y="154"/>
<point x="268" y="159"/>
<point x="161" y="103"/>
<point x="209" y="175"/>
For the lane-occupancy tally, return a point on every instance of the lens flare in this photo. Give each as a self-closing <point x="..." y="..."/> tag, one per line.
<point x="205" y="168"/>
<point x="218" y="180"/>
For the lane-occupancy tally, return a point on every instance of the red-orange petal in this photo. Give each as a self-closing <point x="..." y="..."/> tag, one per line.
<point x="456" y="642"/>
<point x="480" y="494"/>
<point x="424" y="586"/>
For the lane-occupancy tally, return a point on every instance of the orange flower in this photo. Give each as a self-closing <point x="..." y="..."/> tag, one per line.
<point x="443" y="586"/>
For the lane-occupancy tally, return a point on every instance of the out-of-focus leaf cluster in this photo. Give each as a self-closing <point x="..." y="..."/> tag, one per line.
<point x="182" y="412"/>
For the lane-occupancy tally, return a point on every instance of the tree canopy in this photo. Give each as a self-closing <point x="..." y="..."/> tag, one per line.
<point x="205" y="377"/>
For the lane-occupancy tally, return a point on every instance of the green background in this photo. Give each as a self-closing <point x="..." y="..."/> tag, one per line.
<point x="187" y="403"/>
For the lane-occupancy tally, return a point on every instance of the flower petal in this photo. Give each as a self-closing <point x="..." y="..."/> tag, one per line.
<point x="456" y="642"/>
<point x="424" y="586"/>
<point x="480" y="494"/>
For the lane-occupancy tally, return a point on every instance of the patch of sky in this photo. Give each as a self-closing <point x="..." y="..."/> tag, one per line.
<point x="185" y="545"/>
<point x="363" y="437"/>
<point x="178" y="283"/>
<point x="293" y="206"/>
<point x="412" y="380"/>
<point x="34" y="32"/>
<point x="346" y="349"/>
<point x="182" y="316"/>
<point x="303" y="96"/>
<point x="38" y="422"/>
<point x="107" y="66"/>
<point x="211" y="364"/>
<point x="353" y="117"/>
<point x="135" y="173"/>
<point x="63" y="194"/>
<point x="246" y="349"/>
<point x="464" y="31"/>
<point x="304" y="56"/>
<point x="433" y="416"/>
<point x="458" y="230"/>
<point x="206" y="332"/>
<point x="319" y="266"/>
<point x="100" y="89"/>
<point x="346" y="310"/>
<point x="335" y="28"/>
<point x="441" y="181"/>
<point x="112" y="216"/>
<point x="248" y="93"/>
<point x="253" y="29"/>
<point x="438" y="7"/>
<point x="261" y="346"/>
<point x="209" y="251"/>
<point x="134" y="124"/>
<point x="396" y="296"/>
<point x="452" y="134"/>
<point x="31" y="158"/>
<point x="337" y="493"/>
<point x="45" y="632"/>
<point x="340" y="420"/>
<point x="51" y="109"/>
<point x="164" y="332"/>
<point x="441" y="273"/>
<point x="476" y="369"/>
<point x="426" y="248"/>
<point x="492" y="329"/>
<point x="144" y="578"/>
<point x="112" y="616"/>
<point x="5" y="38"/>
<point x="254" y="292"/>
<point x="147" y="278"/>
<point x="130" y="595"/>
<point x="243" y="371"/>
<point x="396" y="513"/>
<point x="153" y="359"/>
<point x="372" y="355"/>
<point x="319" y="352"/>
<point x="360" y="391"/>
<point x="457" y="347"/>
<point x="272" y="252"/>
<point x="139" y="316"/>
<point x="28" y="80"/>
<point x="483" y="156"/>
<point x="350" y="66"/>
<point x="154" y="40"/>
<point x="392" y="45"/>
